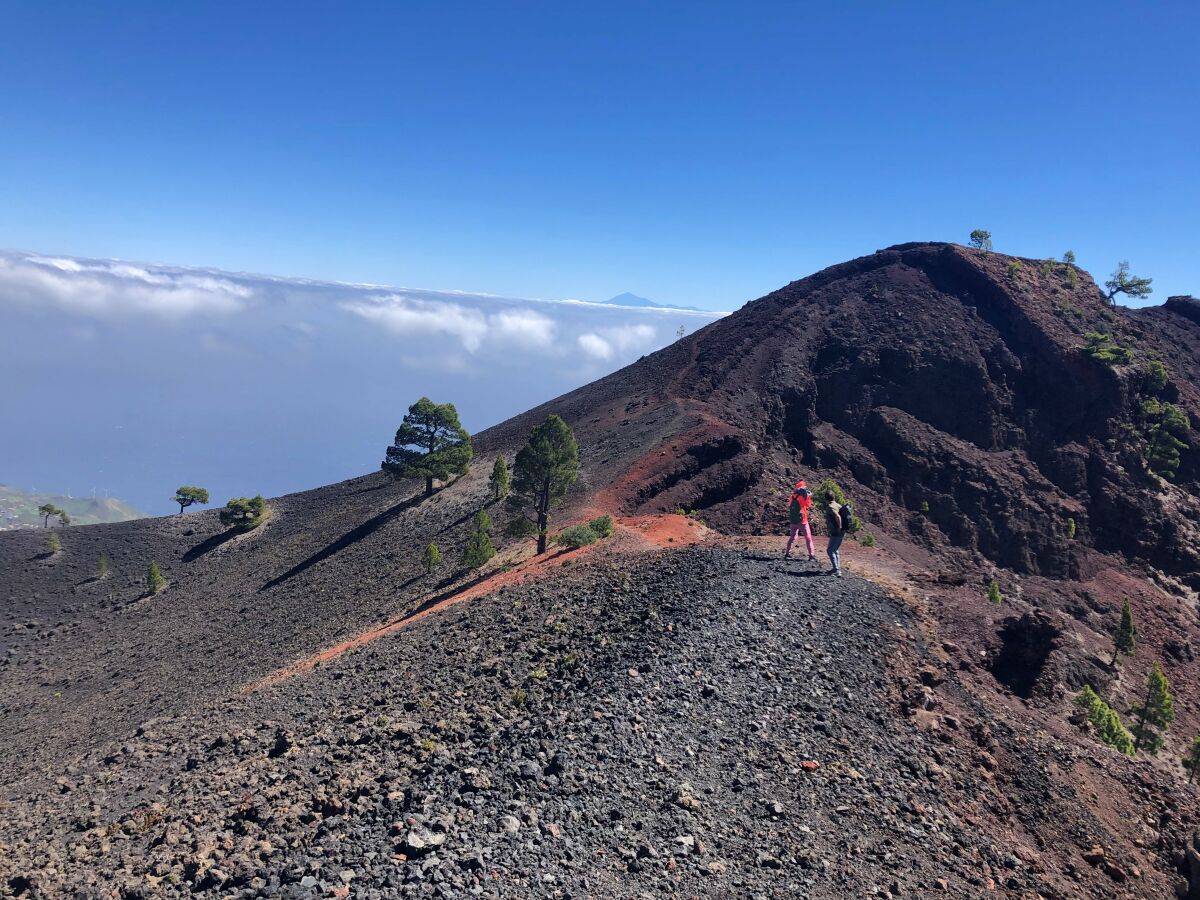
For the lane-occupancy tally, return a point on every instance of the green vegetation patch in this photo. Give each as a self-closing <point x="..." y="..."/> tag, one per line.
<point x="1105" y="720"/>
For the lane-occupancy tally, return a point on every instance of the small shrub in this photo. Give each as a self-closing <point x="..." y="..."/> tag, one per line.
<point x="54" y="544"/>
<point x="539" y="674"/>
<point x="519" y="696"/>
<point x="1156" y="375"/>
<point x="1069" y="308"/>
<point x="576" y="536"/>
<point x="432" y="557"/>
<point x="1101" y="347"/>
<point x="867" y="539"/>
<point x="428" y="744"/>
<point x="244" y="513"/>
<point x="1072" y="278"/>
<point x="102" y="567"/>
<point x="155" y="581"/>
<point x="1014" y="269"/>
<point x="1165" y="427"/>
<point x="602" y="526"/>
<point x="1071" y="529"/>
<point x="1049" y="266"/>
<point x="925" y="506"/>
<point x="993" y="592"/>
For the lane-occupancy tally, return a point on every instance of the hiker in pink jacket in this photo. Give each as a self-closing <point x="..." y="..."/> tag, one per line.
<point x="799" y="503"/>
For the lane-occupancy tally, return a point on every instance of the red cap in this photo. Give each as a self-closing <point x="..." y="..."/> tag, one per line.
<point x="801" y="484"/>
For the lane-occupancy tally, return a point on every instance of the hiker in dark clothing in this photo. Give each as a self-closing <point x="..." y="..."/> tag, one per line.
<point x="799" y="503"/>
<point x="837" y="531"/>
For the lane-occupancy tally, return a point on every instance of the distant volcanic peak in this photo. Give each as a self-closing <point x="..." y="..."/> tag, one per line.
<point x="635" y="301"/>
<point x="630" y="299"/>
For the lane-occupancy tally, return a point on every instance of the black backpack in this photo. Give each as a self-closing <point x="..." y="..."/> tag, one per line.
<point x="846" y="515"/>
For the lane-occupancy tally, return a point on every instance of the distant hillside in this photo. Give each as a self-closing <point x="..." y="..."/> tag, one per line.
<point x="19" y="509"/>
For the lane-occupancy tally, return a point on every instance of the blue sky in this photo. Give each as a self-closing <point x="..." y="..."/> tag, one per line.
<point x="695" y="153"/>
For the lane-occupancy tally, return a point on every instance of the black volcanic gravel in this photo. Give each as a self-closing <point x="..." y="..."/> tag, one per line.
<point x="687" y="723"/>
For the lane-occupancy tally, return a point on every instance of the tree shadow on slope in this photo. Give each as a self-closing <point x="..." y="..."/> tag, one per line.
<point x="210" y="544"/>
<point x="458" y="588"/>
<point x="461" y="520"/>
<point x="353" y="536"/>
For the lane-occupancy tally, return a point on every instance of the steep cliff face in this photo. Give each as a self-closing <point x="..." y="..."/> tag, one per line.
<point x="952" y="391"/>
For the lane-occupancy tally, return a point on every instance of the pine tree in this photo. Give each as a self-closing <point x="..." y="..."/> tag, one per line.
<point x="1156" y="713"/>
<point x="64" y="518"/>
<point x="1191" y="762"/>
<point x="981" y="239"/>
<point x="479" y="547"/>
<point x="1121" y="282"/>
<point x="433" y="556"/>
<point x="430" y="443"/>
<point x="498" y="483"/>
<point x="155" y="581"/>
<point x="47" y="510"/>
<point x="545" y="468"/>
<point x="189" y="494"/>
<point x="1125" y="637"/>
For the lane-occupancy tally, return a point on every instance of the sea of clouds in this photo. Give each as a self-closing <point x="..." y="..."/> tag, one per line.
<point x="136" y="378"/>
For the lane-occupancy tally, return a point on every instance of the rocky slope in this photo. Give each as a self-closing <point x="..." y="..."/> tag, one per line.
<point x="303" y="712"/>
<point x="691" y="723"/>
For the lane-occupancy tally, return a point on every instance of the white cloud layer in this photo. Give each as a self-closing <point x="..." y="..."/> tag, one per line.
<point x="450" y="329"/>
<point x="606" y="343"/>
<point x="101" y="288"/>
<point x="472" y="327"/>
